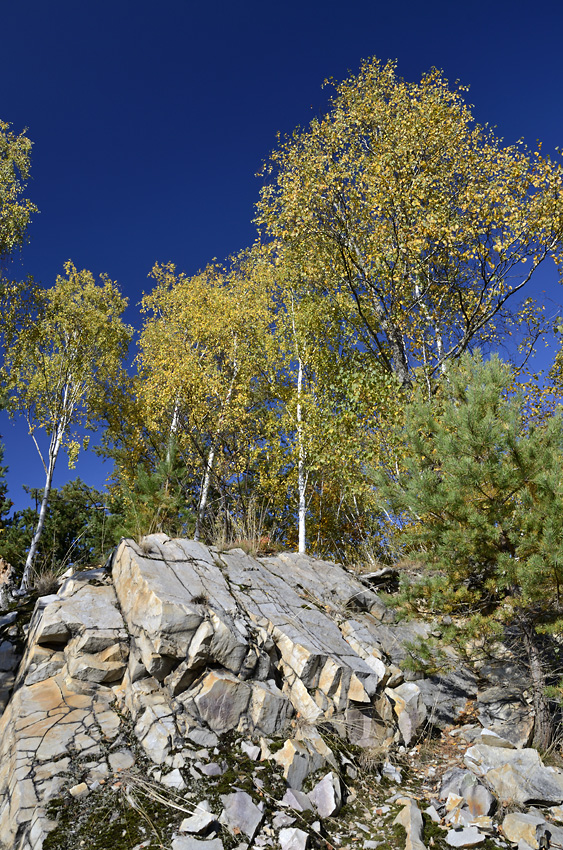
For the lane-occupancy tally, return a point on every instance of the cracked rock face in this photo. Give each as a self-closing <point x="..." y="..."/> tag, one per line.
<point x="154" y="661"/>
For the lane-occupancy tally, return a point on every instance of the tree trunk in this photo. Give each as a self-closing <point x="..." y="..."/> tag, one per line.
<point x="56" y="441"/>
<point x="202" y="507"/>
<point x="544" y="725"/>
<point x="301" y="476"/>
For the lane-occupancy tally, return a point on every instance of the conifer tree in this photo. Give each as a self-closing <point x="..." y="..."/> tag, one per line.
<point x="478" y="498"/>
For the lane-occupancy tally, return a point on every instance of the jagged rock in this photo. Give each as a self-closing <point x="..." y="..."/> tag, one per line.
<point x="505" y="711"/>
<point x="241" y="813"/>
<point x="292" y="838"/>
<point x="446" y="695"/>
<point x="516" y="776"/>
<point x="410" y="818"/>
<point x="464" y="784"/>
<point x="121" y="760"/>
<point x="518" y="826"/>
<point x="469" y="836"/>
<point x="186" y="842"/>
<point x="251" y="750"/>
<point x="297" y="762"/>
<point x="200" y="821"/>
<point x="492" y="739"/>
<point x="326" y="795"/>
<point x="212" y="643"/>
<point x="409" y="708"/>
<point x="297" y="800"/>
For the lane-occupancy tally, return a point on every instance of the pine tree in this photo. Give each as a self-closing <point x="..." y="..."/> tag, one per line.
<point x="478" y="498"/>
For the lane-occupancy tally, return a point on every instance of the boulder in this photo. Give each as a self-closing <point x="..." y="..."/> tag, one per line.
<point x="505" y="712"/>
<point x="409" y="708"/>
<point x="516" y="776"/>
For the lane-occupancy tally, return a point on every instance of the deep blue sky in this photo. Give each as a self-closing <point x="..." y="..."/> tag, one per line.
<point x="150" y="120"/>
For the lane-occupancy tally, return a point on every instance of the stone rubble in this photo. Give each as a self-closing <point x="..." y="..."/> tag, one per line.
<point x="260" y="701"/>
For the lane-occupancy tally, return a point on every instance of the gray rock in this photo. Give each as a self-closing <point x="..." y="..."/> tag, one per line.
<point x="409" y="708"/>
<point x="505" y="711"/>
<point x="516" y="776"/>
<point x="241" y="813"/>
<point x="465" y="784"/>
<point x="186" y="842"/>
<point x="327" y="795"/>
<point x="297" y="800"/>
<point x="518" y="826"/>
<point x="469" y="836"/>
<point x="292" y="838"/>
<point x="200" y="821"/>
<point x="446" y="695"/>
<point x="410" y="818"/>
<point x="251" y="750"/>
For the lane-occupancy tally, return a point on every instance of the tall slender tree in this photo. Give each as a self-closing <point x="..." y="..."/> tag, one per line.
<point x="63" y="346"/>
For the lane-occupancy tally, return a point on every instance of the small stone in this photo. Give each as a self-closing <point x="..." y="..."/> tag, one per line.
<point x="186" y="842"/>
<point x="211" y="769"/>
<point x="241" y="813"/>
<point x="432" y="814"/>
<point x="467" y="837"/>
<point x="201" y="819"/>
<point x="80" y="790"/>
<point x="121" y="760"/>
<point x="174" y="779"/>
<point x="297" y="800"/>
<point x="389" y="771"/>
<point x="293" y="839"/>
<point x="252" y="751"/>
<point x="282" y="819"/>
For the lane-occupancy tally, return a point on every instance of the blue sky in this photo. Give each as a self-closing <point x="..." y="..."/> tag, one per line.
<point x="150" y="120"/>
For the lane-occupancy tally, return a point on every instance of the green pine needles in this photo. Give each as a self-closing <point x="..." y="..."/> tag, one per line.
<point x="478" y="497"/>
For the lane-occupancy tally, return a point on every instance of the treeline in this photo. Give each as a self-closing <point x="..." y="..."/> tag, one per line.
<point x="395" y="235"/>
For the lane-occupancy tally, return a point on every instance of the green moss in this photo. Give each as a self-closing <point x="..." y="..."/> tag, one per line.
<point x="107" y="819"/>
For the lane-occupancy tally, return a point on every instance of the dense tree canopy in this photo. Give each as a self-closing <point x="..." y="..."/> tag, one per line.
<point x="423" y="218"/>
<point x="15" y="210"/>
<point x="396" y="234"/>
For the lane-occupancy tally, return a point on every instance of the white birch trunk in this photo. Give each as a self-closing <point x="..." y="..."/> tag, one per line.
<point x="202" y="506"/>
<point x="301" y="475"/>
<point x="56" y="442"/>
<point x="173" y="431"/>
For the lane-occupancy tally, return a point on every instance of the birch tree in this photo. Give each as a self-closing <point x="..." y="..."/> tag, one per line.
<point x="15" y="210"/>
<point x="63" y="347"/>
<point x="202" y="352"/>
<point x="424" y="220"/>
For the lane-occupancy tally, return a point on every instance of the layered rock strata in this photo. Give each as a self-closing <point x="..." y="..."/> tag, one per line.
<point x="141" y="669"/>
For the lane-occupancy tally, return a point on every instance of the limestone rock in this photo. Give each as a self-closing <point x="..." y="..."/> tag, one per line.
<point x="446" y="695"/>
<point x="516" y="776"/>
<point x="200" y="821"/>
<point x="326" y="796"/>
<point x="297" y="762"/>
<point x="187" y="842"/>
<point x="505" y="711"/>
<point x="467" y="837"/>
<point x="241" y="813"/>
<point x="518" y="826"/>
<point x="409" y="708"/>
<point x="410" y="818"/>
<point x="292" y="838"/>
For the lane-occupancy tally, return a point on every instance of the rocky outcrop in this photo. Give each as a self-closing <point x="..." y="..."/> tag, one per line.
<point x="243" y="701"/>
